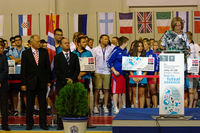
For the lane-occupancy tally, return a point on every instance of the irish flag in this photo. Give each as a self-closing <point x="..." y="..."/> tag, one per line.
<point x="163" y="21"/>
<point x="125" y="22"/>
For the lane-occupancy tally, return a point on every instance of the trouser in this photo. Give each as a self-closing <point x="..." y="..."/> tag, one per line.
<point x="3" y="105"/>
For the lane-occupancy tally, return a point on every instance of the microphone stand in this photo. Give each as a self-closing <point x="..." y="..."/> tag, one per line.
<point x="158" y="51"/>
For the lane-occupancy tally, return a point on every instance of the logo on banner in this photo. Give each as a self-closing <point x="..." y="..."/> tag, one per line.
<point x="90" y="60"/>
<point x="194" y="62"/>
<point x="171" y="100"/>
<point x="74" y="129"/>
<point x="150" y="60"/>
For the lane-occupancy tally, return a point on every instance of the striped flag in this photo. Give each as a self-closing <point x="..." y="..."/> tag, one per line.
<point x="80" y="23"/>
<point x="25" y="22"/>
<point x="197" y="21"/>
<point x="52" y="52"/>
<point x="1" y="24"/>
<point x="185" y="16"/>
<point x="106" y="23"/>
<point x="125" y="22"/>
<point x="55" y="19"/>
<point x="144" y="22"/>
<point x="163" y="21"/>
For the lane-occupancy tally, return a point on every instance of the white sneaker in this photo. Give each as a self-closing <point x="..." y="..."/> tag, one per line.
<point x="96" y="111"/>
<point x="123" y="106"/>
<point x="132" y="106"/>
<point x="116" y="110"/>
<point x="105" y="109"/>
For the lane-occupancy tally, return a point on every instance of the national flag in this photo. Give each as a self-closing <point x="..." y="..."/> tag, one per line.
<point x="163" y="21"/>
<point x="106" y="23"/>
<point x="185" y="16"/>
<point x="55" y="19"/>
<point x="51" y="50"/>
<point x="80" y="23"/>
<point x="197" y="21"/>
<point x="144" y="22"/>
<point x="1" y="24"/>
<point x="125" y="22"/>
<point x="25" y="23"/>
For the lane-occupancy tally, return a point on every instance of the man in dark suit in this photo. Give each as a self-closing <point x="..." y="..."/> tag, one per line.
<point x="3" y="89"/>
<point x="66" y="68"/>
<point x="35" y="77"/>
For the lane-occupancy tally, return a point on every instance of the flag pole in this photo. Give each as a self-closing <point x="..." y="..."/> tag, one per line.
<point x="192" y="22"/>
<point x="68" y="24"/>
<point x="11" y="25"/>
<point x="154" y="26"/>
<point x="135" y="25"/>
<point x="116" y="22"/>
<point x="39" y="22"/>
<point x="97" y="26"/>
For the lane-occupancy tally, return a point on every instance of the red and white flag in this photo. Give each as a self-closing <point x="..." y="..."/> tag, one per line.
<point x="197" y="21"/>
<point x="125" y="22"/>
<point x="52" y="52"/>
<point x="25" y="25"/>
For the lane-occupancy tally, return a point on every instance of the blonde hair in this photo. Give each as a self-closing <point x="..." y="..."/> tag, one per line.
<point x="140" y="39"/>
<point x="146" y="41"/>
<point x="75" y="36"/>
<point x="175" y="20"/>
<point x="189" y="34"/>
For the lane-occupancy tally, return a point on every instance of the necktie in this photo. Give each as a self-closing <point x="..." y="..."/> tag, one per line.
<point x="67" y="58"/>
<point x="36" y="57"/>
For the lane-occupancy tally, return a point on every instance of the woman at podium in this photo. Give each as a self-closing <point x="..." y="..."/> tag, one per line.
<point x="176" y="39"/>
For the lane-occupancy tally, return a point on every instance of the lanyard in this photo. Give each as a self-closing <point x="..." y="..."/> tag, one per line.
<point x="103" y="51"/>
<point x="19" y="52"/>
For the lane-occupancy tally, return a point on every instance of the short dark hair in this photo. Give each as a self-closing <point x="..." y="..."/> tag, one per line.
<point x="58" y="29"/>
<point x="29" y="41"/>
<point x="11" y="38"/>
<point x="102" y="37"/>
<point x="87" y="37"/>
<point x="2" y="44"/>
<point x="122" y="40"/>
<point x="116" y="38"/>
<point x="18" y="36"/>
<point x="5" y="40"/>
<point x="90" y="39"/>
<point x="79" y="39"/>
<point x="43" y="41"/>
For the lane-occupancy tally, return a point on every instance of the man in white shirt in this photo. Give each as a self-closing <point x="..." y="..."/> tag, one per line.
<point x="102" y="72"/>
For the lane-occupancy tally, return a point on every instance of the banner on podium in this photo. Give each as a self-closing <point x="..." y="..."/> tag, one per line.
<point x="87" y="63"/>
<point x="171" y="84"/>
<point x="138" y="63"/>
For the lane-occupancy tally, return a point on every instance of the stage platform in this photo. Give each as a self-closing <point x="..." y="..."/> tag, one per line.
<point x="140" y="121"/>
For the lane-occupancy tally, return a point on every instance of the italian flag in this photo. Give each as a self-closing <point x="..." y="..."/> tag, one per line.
<point x="163" y="21"/>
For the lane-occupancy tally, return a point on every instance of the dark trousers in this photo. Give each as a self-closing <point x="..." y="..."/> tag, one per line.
<point x="30" y="105"/>
<point x="59" y="120"/>
<point x="4" y="110"/>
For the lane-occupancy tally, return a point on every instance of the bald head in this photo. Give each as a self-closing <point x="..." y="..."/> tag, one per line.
<point x="35" y="41"/>
<point x="65" y="44"/>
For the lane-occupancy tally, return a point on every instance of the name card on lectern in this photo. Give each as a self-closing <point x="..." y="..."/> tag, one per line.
<point x="193" y="65"/>
<point x="138" y="63"/>
<point x="87" y="63"/>
<point x="11" y="67"/>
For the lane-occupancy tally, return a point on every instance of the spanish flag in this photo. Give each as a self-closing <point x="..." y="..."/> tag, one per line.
<point x="55" y="19"/>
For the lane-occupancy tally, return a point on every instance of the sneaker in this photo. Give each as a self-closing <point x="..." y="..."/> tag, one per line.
<point x="96" y="111"/>
<point x="15" y="113"/>
<point x="132" y="106"/>
<point x="123" y="106"/>
<point x="105" y="109"/>
<point x="116" y="110"/>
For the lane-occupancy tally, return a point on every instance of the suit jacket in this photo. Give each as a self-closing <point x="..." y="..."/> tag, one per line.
<point x="3" y="73"/>
<point x="62" y="70"/>
<point x="31" y="73"/>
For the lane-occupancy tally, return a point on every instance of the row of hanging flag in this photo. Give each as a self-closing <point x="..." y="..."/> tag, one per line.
<point x="144" y="22"/>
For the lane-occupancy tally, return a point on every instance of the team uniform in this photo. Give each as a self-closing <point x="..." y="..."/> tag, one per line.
<point x="115" y="60"/>
<point x="85" y="77"/>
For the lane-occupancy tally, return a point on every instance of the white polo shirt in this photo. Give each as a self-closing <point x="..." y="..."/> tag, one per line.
<point x="101" y="57"/>
<point x="72" y="46"/>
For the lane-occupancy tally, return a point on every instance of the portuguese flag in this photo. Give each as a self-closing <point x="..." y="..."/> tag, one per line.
<point x="163" y="21"/>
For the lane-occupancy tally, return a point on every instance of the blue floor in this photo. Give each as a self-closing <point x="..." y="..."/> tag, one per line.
<point x="37" y="128"/>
